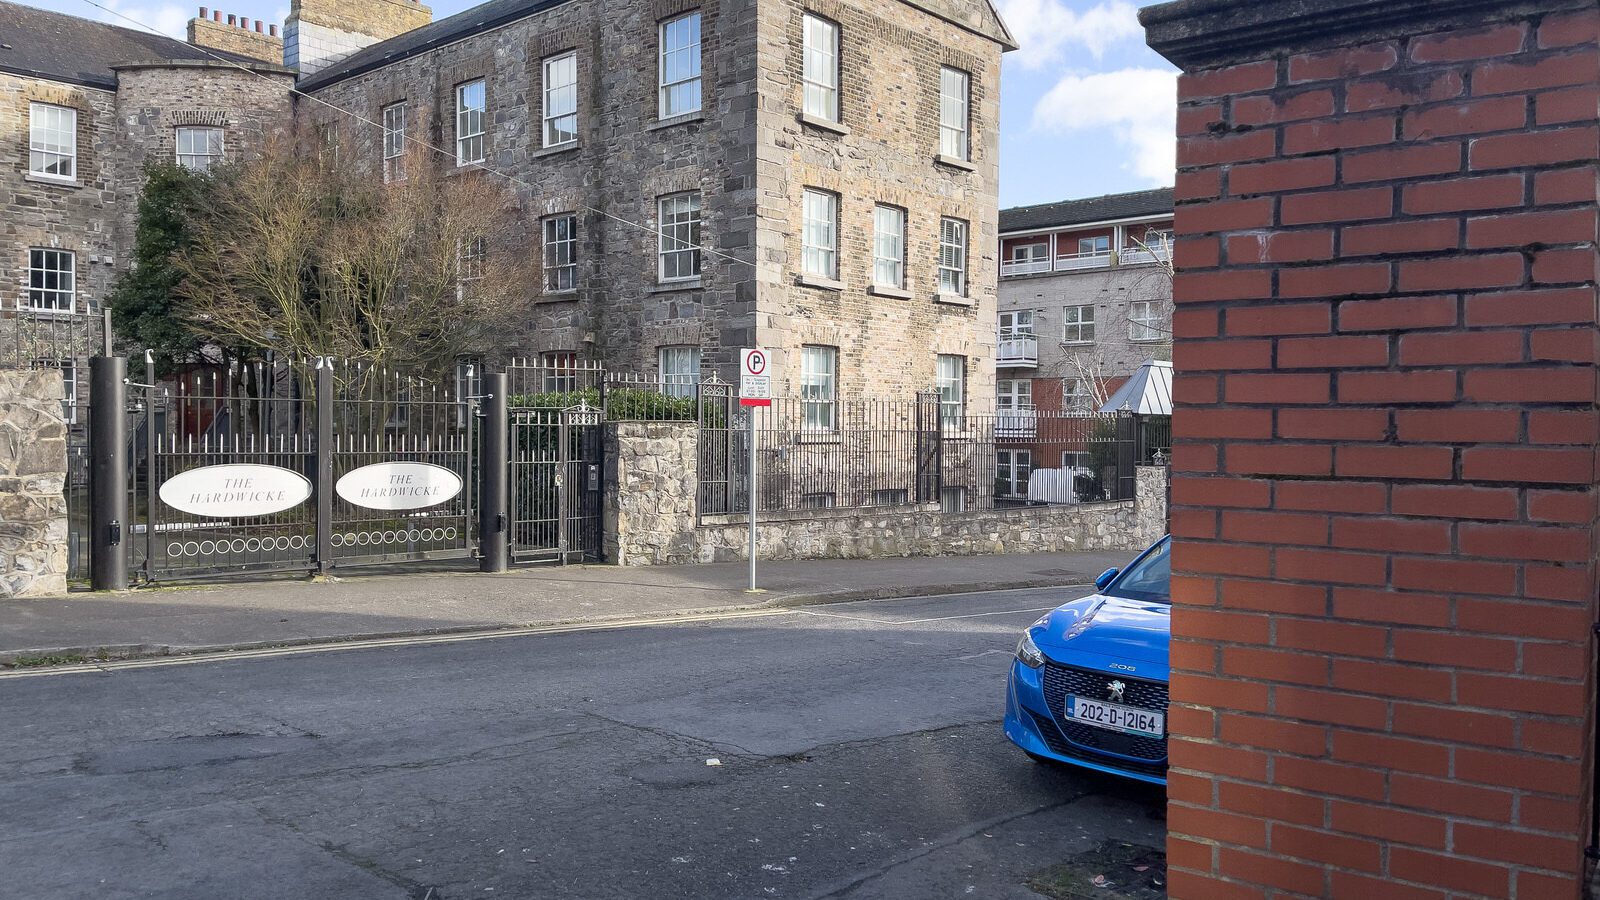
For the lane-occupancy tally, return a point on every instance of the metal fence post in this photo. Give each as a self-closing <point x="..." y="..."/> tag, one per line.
<point x="493" y="468"/>
<point x="108" y="473"/>
<point x="324" y="457"/>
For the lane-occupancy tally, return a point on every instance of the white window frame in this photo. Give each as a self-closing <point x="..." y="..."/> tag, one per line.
<point x="1025" y="252"/>
<point x="472" y="142"/>
<point x="679" y="236"/>
<point x="471" y="255"/>
<point x="52" y="140"/>
<point x="560" y="368"/>
<point x="684" y="52"/>
<point x="818" y="500"/>
<point x="561" y="99"/>
<point x="1009" y="463"/>
<point x="1016" y="323"/>
<point x="679" y="367"/>
<point x="951" y="374"/>
<point x="199" y="157"/>
<point x="1144" y="322"/>
<point x="1074" y="395"/>
<point x="889" y="246"/>
<point x="819" y="76"/>
<point x="65" y="299"/>
<point x="560" y="233"/>
<point x="1073" y="459"/>
<point x="953" y="256"/>
<point x="394" y="141"/>
<point x="1077" y="324"/>
<point x="819" y="387"/>
<point x="819" y="250"/>
<point x="1099" y="245"/>
<point x="955" y="111"/>
<point x="1013" y="393"/>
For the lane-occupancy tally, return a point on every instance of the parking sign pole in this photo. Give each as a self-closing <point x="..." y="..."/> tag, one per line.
<point x="750" y="414"/>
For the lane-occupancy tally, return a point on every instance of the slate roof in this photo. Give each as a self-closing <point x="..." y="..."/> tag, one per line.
<point x="43" y="44"/>
<point x="478" y="19"/>
<point x="1090" y="209"/>
<point x="473" y="21"/>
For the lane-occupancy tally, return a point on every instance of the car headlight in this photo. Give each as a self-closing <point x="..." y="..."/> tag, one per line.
<point x="1028" y="652"/>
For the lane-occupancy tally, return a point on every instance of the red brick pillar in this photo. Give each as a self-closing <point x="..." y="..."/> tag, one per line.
<point x="1384" y="457"/>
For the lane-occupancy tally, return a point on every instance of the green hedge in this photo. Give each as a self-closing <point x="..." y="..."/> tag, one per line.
<point x="621" y="404"/>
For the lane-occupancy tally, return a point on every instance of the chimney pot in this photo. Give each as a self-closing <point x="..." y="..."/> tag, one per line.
<point x="272" y="30"/>
<point x="233" y="19"/>
<point x="258" y="26"/>
<point x="203" y="12"/>
<point x="216" y="15"/>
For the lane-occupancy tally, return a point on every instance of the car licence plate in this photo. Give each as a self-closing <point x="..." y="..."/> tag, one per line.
<point x="1115" y="716"/>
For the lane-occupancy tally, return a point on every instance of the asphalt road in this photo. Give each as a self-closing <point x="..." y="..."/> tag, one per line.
<point x="860" y="748"/>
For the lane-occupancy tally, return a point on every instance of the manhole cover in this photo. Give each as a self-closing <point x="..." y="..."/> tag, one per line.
<point x="1112" y="869"/>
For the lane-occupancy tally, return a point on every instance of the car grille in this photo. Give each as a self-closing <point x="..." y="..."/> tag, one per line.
<point x="1059" y="681"/>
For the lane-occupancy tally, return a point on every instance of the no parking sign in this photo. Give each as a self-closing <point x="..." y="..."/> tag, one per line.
<point x="755" y="385"/>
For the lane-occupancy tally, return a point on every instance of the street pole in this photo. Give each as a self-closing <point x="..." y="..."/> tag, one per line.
<point x="108" y="473"/>
<point x="323" y="456"/>
<point x="494" y="449"/>
<point x="750" y="413"/>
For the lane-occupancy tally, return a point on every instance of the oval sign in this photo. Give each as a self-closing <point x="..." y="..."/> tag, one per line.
<point x="399" y="485"/>
<point x="235" y="490"/>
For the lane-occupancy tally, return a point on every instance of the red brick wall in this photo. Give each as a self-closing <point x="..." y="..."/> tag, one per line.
<point x="1384" y="468"/>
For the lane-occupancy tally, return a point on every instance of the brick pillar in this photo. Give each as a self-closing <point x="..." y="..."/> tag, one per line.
<point x="1384" y="455"/>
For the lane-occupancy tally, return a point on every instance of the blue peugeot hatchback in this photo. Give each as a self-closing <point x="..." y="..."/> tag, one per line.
<point x="1089" y="682"/>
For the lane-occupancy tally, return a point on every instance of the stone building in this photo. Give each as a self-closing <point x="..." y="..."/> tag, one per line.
<point x="83" y="106"/>
<point x="1085" y="297"/>
<point x="816" y="178"/>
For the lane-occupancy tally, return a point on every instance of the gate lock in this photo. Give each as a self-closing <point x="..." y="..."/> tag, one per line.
<point x="114" y="532"/>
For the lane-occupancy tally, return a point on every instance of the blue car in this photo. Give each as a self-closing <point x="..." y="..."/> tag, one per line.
<point x="1089" y="683"/>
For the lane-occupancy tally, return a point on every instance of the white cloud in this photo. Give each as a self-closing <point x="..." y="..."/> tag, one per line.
<point x="1137" y="107"/>
<point x="169" y="19"/>
<point x="1043" y="27"/>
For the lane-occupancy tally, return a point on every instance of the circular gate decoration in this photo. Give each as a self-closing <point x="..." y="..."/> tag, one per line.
<point x="238" y="490"/>
<point x="399" y="485"/>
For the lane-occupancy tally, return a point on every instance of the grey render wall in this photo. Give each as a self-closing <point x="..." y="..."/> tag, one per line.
<point x="1111" y="291"/>
<point x="650" y="516"/>
<point x="623" y="161"/>
<point x="33" y="473"/>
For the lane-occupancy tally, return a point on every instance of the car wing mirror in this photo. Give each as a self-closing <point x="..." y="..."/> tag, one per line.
<point x="1106" y="577"/>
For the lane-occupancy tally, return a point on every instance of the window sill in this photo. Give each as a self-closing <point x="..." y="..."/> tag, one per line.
<point x="696" y="116"/>
<point x="884" y="291"/>
<point x="817" y="281"/>
<point x="822" y="124"/>
<point x="47" y="179"/>
<point x="556" y="150"/>
<point x="48" y="312"/>
<point x="558" y="296"/>
<point x="682" y="284"/>
<point x="952" y="299"/>
<point x="955" y="163"/>
<point x="819" y="437"/>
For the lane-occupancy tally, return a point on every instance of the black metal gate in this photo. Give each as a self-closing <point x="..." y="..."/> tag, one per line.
<point x="286" y="467"/>
<point x="556" y="477"/>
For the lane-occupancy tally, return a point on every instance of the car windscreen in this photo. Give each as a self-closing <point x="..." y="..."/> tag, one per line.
<point x="1150" y="578"/>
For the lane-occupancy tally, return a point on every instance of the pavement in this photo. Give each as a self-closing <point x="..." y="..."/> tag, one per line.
<point x="849" y="751"/>
<point x="240" y="615"/>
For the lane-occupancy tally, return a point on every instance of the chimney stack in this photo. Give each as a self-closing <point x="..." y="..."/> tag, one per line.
<point x="236" y="36"/>
<point x="322" y="32"/>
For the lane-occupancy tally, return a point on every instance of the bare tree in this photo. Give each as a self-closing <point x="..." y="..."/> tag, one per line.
<point x="297" y="254"/>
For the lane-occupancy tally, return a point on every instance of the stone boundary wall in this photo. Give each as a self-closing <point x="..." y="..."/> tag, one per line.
<point x="650" y="516"/>
<point x="33" y="474"/>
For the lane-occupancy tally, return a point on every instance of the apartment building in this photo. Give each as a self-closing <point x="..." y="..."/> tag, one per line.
<point x="1085" y="298"/>
<point x="815" y="177"/>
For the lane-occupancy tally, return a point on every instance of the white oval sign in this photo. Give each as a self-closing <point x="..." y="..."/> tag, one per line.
<point x="399" y="485"/>
<point x="235" y="490"/>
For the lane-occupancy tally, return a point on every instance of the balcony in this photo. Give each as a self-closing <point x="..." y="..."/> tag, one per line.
<point x="1070" y="262"/>
<point x="1016" y="422"/>
<point x="1017" y="349"/>
<point x="1142" y="256"/>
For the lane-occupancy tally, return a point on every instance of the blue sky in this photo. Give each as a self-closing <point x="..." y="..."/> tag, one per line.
<point x="1087" y="109"/>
